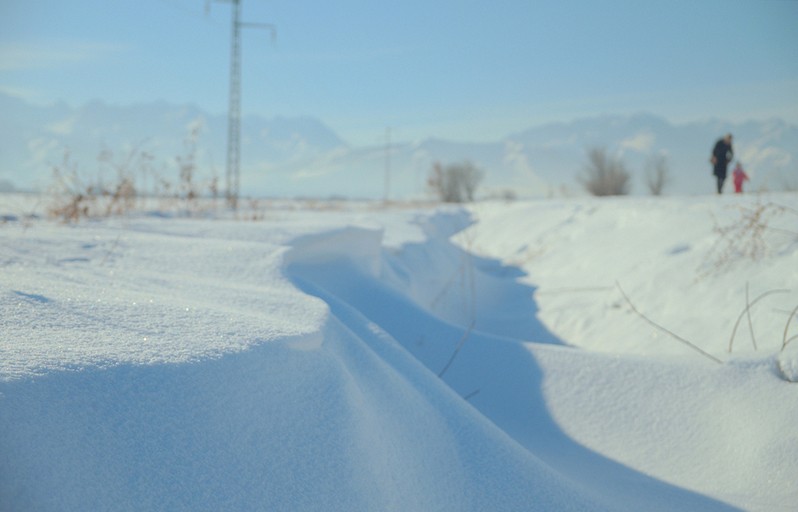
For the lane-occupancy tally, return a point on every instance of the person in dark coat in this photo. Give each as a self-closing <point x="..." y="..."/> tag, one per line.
<point x="722" y="154"/>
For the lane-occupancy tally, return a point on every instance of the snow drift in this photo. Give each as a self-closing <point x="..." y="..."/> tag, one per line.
<point x="375" y="360"/>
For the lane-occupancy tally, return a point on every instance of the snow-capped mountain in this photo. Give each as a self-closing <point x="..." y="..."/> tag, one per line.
<point x="33" y="139"/>
<point x="305" y="157"/>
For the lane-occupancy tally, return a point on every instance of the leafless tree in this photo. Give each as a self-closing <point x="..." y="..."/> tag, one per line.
<point x="455" y="183"/>
<point x="657" y="174"/>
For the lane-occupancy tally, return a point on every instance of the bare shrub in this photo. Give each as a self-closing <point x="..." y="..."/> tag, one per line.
<point x="605" y="176"/>
<point x="455" y="183"/>
<point x="257" y="211"/>
<point x="504" y="194"/>
<point x="752" y="235"/>
<point x="657" y="174"/>
<point x="74" y="198"/>
<point x="71" y="198"/>
<point x="120" y="197"/>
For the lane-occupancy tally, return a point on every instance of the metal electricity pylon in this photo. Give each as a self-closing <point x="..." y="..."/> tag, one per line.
<point x="232" y="173"/>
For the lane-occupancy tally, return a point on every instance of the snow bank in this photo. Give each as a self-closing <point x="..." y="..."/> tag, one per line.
<point x="170" y="371"/>
<point x="666" y="256"/>
<point x="361" y="360"/>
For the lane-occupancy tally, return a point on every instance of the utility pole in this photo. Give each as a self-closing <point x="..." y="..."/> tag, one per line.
<point x="232" y="173"/>
<point x="387" y="163"/>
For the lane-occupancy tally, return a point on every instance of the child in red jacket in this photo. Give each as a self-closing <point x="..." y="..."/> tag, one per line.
<point x="739" y="177"/>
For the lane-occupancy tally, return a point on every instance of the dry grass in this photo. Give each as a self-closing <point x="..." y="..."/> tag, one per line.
<point x="74" y="197"/>
<point x="753" y="234"/>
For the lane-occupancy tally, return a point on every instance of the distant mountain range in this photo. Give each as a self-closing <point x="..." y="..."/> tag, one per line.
<point x="293" y="157"/>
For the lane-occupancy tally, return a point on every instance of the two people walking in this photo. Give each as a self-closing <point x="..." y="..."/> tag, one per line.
<point x="722" y="155"/>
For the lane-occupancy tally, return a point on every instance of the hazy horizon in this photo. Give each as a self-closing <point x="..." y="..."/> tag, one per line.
<point x="160" y="102"/>
<point x="308" y="157"/>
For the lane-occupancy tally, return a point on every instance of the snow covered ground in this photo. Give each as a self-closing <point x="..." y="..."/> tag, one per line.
<point x="549" y="356"/>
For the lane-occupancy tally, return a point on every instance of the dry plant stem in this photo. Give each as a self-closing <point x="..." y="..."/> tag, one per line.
<point x="457" y="350"/>
<point x="784" y="340"/>
<point x="674" y="335"/>
<point x="747" y="308"/>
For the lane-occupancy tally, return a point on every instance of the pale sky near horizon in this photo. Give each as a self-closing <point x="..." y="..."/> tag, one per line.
<point x="464" y="70"/>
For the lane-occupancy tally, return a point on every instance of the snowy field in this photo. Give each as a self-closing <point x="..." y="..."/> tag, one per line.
<point x="546" y="355"/>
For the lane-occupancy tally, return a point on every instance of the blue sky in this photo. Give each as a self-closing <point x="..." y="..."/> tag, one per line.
<point x="466" y="70"/>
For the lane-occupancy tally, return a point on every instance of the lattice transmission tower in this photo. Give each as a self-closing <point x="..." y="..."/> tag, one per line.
<point x="232" y="170"/>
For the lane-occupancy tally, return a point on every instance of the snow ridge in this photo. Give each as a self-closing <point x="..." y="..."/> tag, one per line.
<point x="385" y="360"/>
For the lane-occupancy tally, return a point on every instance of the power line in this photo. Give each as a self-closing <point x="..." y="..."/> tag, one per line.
<point x="191" y="13"/>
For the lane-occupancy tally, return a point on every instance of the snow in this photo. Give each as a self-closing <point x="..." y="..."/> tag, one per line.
<point x="393" y="358"/>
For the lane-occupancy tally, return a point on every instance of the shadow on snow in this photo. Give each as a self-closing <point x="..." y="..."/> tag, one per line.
<point x="493" y="366"/>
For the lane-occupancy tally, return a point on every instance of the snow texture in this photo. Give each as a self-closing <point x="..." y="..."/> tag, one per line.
<point x="479" y="358"/>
